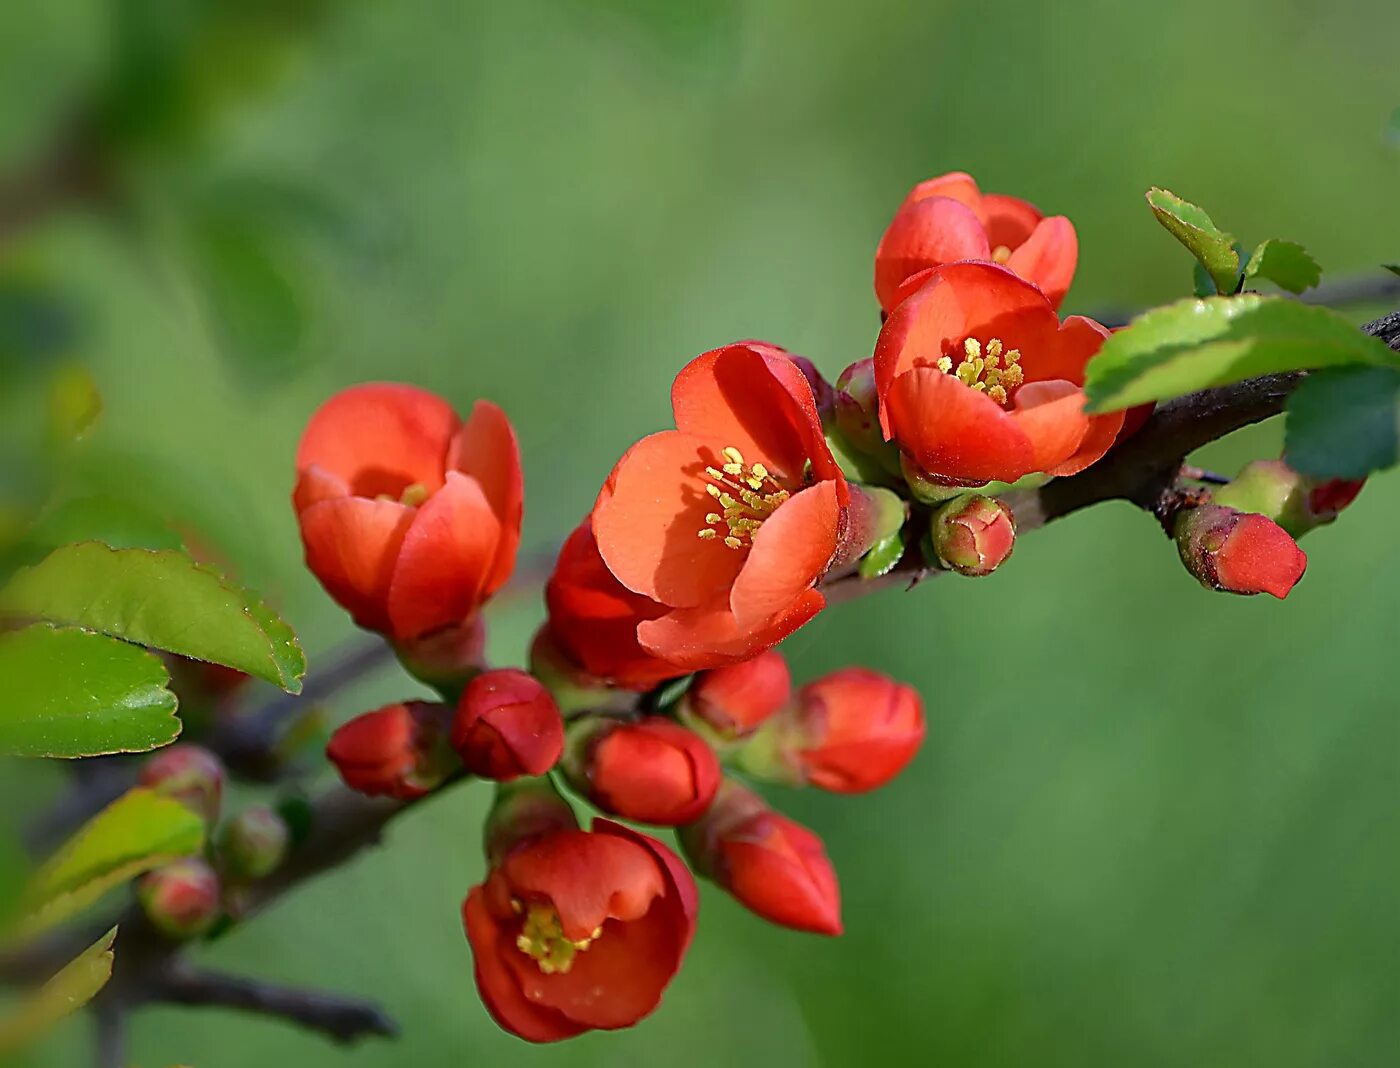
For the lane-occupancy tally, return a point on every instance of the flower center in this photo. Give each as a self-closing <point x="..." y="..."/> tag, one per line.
<point x="993" y="370"/>
<point x="542" y="939"/>
<point x="747" y="493"/>
<point x="1001" y="254"/>
<point x="414" y="494"/>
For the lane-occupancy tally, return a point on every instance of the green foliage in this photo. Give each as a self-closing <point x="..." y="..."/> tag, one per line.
<point x="66" y="993"/>
<point x="162" y="599"/>
<point x="1343" y="423"/>
<point x="1189" y="224"/>
<point x="73" y="693"/>
<point x="1284" y="263"/>
<point x="139" y="831"/>
<point x="882" y="557"/>
<point x="1197" y="344"/>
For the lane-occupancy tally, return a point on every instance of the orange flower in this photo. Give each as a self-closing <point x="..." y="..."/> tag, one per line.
<point x="410" y="517"/>
<point x="979" y="381"/>
<point x="727" y="522"/>
<point x="947" y="219"/>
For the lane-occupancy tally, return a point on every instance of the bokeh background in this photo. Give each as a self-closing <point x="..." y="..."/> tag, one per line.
<point x="1150" y="826"/>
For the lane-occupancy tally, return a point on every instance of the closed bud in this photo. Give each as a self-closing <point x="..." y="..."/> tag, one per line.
<point x="854" y="730"/>
<point x="730" y="703"/>
<point x="253" y="844"/>
<point x="181" y="899"/>
<point x="191" y="775"/>
<point x="856" y="411"/>
<point x="1295" y="502"/>
<point x="1238" y="552"/>
<point x="652" y="770"/>
<point x="397" y="751"/>
<point x="773" y="866"/>
<point x="507" y="725"/>
<point x="973" y="534"/>
<point x="524" y="809"/>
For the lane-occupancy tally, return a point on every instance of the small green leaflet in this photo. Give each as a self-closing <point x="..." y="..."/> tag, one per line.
<point x="162" y="599"/>
<point x="1285" y="264"/>
<point x="1198" y="344"/>
<point x="65" y="993"/>
<point x="1393" y="268"/>
<point x="73" y="693"/>
<point x="1212" y="246"/>
<point x="1344" y="423"/>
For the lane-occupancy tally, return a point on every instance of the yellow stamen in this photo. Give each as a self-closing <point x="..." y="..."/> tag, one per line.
<point x="413" y="495"/>
<point x="1001" y="254"/>
<point x="748" y="493"/>
<point x="542" y="938"/>
<point x="992" y="369"/>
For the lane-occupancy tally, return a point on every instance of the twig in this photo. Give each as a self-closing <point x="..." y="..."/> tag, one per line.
<point x="109" y="1019"/>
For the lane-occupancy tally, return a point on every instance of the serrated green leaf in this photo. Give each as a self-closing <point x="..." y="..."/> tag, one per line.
<point x="882" y="557"/>
<point x="139" y="831"/>
<point x="1197" y="344"/>
<point x="1284" y="263"/>
<point x="162" y="599"/>
<point x="66" y="993"/>
<point x="1190" y="225"/>
<point x="1344" y="423"/>
<point x="73" y="693"/>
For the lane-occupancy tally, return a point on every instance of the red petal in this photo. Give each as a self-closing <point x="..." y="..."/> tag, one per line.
<point x="352" y="544"/>
<point x="486" y="449"/>
<point x="958" y="185"/>
<point x="380" y="438"/>
<point x="686" y="893"/>
<point x="1048" y="258"/>
<point x="316" y="484"/>
<point x="1010" y="220"/>
<point x="445" y="560"/>
<point x="1051" y="414"/>
<point x="954" y="432"/>
<point x="1068" y="353"/>
<point x="790" y="552"/>
<point x="587" y="878"/>
<point x="925" y="233"/>
<point x="710" y="636"/>
<point x="1102" y="433"/>
<point x="648" y="521"/>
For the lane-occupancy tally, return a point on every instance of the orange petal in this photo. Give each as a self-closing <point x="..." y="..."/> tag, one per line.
<point x="1102" y="433"/>
<point x="1051" y="414"/>
<point x="486" y="449"/>
<point x="648" y="520"/>
<point x="380" y="438"/>
<point x="710" y="636"/>
<point x="1069" y="352"/>
<point x="926" y="233"/>
<point x="1048" y="257"/>
<point x="445" y="560"/>
<point x="317" y="484"/>
<point x="1010" y="220"/>
<point x="958" y="185"/>
<point x="957" y="433"/>
<point x="790" y="552"/>
<point x="352" y="544"/>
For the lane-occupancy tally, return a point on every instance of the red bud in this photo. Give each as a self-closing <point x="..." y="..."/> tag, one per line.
<point x="973" y="535"/>
<point x="181" y="899"/>
<point x="1238" y="552"/>
<point x="1295" y="502"/>
<point x="254" y="843"/>
<point x="652" y="771"/>
<point x="856" y="730"/>
<point x="507" y="725"/>
<point x="191" y="775"/>
<point x="733" y="701"/>
<point x="399" y="750"/>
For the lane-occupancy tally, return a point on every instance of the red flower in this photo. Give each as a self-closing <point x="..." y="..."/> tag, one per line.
<point x="773" y="866"/>
<point x="727" y="522"/>
<point x="576" y="931"/>
<point x="651" y="771"/>
<point x="979" y="381"/>
<point x="395" y="751"/>
<point x="410" y="517"/>
<point x="947" y="219"/>
<point x="858" y="729"/>
<point x="735" y="701"/>
<point x="507" y="725"/>
<point x="1238" y="552"/>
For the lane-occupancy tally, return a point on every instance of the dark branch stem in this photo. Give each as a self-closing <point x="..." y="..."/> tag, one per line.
<point x="110" y="1018"/>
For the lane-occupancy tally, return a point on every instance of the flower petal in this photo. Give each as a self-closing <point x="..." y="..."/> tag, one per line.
<point x="1051" y="414"/>
<point x="1048" y="257"/>
<point x="485" y="448"/>
<point x="352" y="544"/>
<point x="958" y="185"/>
<point x="925" y="233"/>
<point x="317" y="484"/>
<point x="1068" y="353"/>
<point x="790" y="553"/>
<point x="1103" y="432"/>
<point x="710" y="636"/>
<point x="1010" y="220"/>
<point x="587" y="879"/>
<point x="954" y="432"/>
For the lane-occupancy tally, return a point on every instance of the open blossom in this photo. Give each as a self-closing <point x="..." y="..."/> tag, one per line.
<point x="979" y="381"/>
<point x="410" y="517"/>
<point x="726" y="523"/>
<point x="947" y="219"/>
<point x="576" y="931"/>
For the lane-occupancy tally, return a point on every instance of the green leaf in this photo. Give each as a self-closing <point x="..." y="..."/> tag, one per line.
<point x="1197" y="344"/>
<point x="1190" y="225"/>
<point x="162" y="599"/>
<point x="882" y="557"/>
<point x="72" y="693"/>
<point x="139" y="831"/>
<point x="66" y="993"/>
<point x="1344" y="423"/>
<point x="1285" y="264"/>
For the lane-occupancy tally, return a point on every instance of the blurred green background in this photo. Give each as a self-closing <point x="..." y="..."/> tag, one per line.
<point x="1150" y="826"/>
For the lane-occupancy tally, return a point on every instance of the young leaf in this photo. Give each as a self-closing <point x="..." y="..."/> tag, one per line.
<point x="66" y="993"/>
<point x="1344" y="423"/>
<point x="1190" y="225"/>
<point x="162" y="599"/>
<point x="72" y="693"/>
<point x="139" y="831"/>
<point x="1285" y="264"/>
<point x="1196" y="344"/>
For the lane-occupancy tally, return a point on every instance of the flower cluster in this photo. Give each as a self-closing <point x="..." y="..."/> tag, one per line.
<point x="655" y="691"/>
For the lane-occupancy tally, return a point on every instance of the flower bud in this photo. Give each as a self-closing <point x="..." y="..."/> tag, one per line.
<point x="1238" y="552"/>
<point x="1295" y="502"/>
<point x="732" y="702"/>
<point x="181" y="899"/>
<point x="652" y="771"/>
<point x="253" y="844"/>
<point x="507" y="725"/>
<point x="397" y="751"/>
<point x="524" y="809"/>
<point x="773" y="866"/>
<point x="446" y="659"/>
<point x="973" y="534"/>
<point x="855" y="730"/>
<point x="191" y="775"/>
<point x="874" y="514"/>
<point x="822" y="393"/>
